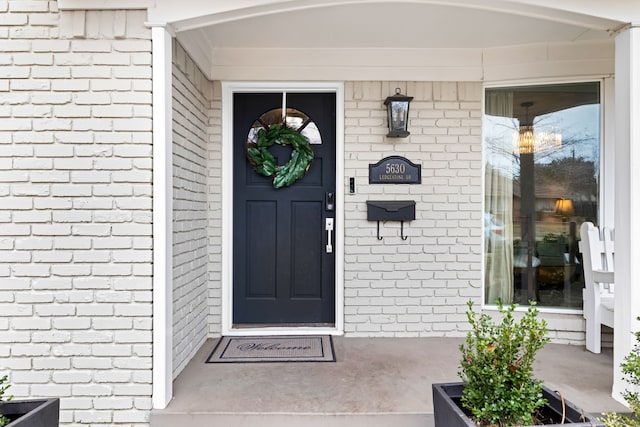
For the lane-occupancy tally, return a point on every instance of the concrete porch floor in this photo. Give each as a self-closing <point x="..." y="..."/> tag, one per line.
<point x="375" y="382"/>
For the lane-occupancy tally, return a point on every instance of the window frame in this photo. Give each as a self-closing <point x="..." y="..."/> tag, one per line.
<point x="606" y="178"/>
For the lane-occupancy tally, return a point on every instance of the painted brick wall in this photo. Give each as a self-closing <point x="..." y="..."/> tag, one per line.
<point x="75" y="210"/>
<point x="417" y="287"/>
<point x="191" y="94"/>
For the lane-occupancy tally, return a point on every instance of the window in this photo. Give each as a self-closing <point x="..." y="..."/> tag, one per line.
<point x="294" y="119"/>
<point x="542" y="174"/>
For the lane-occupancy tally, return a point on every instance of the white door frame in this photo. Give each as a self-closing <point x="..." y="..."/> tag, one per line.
<point x="228" y="89"/>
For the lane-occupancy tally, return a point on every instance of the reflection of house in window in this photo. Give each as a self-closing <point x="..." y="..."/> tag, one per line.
<point x="293" y="119"/>
<point x="524" y="184"/>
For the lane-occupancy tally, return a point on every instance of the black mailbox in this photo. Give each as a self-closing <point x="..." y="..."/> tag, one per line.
<point x="391" y="210"/>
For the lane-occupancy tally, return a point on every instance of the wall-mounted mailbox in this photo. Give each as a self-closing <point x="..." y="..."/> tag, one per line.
<point x="391" y="210"/>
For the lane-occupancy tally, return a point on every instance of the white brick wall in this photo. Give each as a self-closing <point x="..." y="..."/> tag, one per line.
<point x="75" y="210"/>
<point x="417" y="287"/>
<point x="191" y="94"/>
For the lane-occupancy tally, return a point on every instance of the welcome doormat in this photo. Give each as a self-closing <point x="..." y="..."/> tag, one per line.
<point x="314" y="348"/>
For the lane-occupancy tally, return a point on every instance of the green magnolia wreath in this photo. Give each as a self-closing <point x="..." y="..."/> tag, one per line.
<point x="264" y="163"/>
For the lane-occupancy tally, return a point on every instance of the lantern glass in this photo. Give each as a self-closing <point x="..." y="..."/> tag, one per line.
<point x="398" y="114"/>
<point x="398" y="117"/>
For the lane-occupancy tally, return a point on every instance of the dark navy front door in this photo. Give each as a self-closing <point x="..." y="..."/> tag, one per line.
<point x="283" y="263"/>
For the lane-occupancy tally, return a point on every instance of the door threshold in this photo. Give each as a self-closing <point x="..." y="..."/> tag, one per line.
<point x="284" y="329"/>
<point x="283" y="325"/>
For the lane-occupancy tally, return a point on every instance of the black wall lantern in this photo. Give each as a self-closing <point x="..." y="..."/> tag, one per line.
<point x="398" y="114"/>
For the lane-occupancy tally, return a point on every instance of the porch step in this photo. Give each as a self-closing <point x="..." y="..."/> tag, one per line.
<point x="290" y="420"/>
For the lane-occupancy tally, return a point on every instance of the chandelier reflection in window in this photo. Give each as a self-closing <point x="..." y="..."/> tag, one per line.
<point x="532" y="139"/>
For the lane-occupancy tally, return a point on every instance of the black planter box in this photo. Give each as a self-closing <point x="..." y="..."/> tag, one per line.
<point x="447" y="413"/>
<point x="32" y="413"/>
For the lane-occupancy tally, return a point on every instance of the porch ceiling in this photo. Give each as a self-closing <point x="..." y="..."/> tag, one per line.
<point x="298" y="28"/>
<point x="391" y="25"/>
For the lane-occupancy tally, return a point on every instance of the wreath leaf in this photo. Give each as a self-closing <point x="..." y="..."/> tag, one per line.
<point x="264" y="163"/>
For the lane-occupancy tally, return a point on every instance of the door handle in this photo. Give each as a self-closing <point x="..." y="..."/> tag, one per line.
<point x="329" y="228"/>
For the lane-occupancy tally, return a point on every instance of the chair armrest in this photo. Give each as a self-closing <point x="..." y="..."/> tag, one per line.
<point x="602" y="276"/>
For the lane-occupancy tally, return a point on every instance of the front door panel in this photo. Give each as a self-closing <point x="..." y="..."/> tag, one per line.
<point x="283" y="265"/>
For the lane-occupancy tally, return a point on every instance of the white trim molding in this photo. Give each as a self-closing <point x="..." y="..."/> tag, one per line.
<point x="105" y="4"/>
<point x="202" y="13"/>
<point x="228" y="89"/>
<point x="162" y="218"/>
<point x="627" y="201"/>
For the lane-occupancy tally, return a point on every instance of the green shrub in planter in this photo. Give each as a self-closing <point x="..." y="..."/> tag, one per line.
<point x="497" y="367"/>
<point x="631" y="369"/>
<point x="3" y="388"/>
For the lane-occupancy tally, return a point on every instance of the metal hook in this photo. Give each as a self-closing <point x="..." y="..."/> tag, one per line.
<point x="402" y="236"/>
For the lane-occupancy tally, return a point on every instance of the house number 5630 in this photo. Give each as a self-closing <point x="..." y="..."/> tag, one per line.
<point x="394" y="168"/>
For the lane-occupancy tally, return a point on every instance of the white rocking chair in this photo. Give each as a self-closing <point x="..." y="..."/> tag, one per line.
<point x="597" y="261"/>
